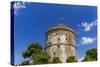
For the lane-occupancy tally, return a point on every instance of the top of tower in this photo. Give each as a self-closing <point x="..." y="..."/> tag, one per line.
<point x="60" y="26"/>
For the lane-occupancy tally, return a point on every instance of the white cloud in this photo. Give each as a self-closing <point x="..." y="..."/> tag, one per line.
<point x="87" y="40"/>
<point x="88" y="26"/>
<point x="17" y="6"/>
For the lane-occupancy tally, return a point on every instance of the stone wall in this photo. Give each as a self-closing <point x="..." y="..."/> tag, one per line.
<point x="61" y="43"/>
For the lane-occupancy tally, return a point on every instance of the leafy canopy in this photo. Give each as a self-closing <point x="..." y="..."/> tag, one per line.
<point x="42" y="58"/>
<point x="35" y="53"/>
<point x="25" y="63"/>
<point x="71" y="59"/>
<point x="91" y="55"/>
<point x="56" y="60"/>
<point x="32" y="49"/>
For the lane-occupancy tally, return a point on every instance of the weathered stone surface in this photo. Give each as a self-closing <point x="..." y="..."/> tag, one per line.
<point x="60" y="42"/>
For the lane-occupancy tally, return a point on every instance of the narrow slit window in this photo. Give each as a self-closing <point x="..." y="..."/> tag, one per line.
<point x="56" y="33"/>
<point x="58" y="38"/>
<point x="54" y="53"/>
<point x="66" y="34"/>
<point x="66" y="38"/>
<point x="58" y="45"/>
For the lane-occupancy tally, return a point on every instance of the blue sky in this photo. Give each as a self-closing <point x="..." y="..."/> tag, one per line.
<point x="32" y="20"/>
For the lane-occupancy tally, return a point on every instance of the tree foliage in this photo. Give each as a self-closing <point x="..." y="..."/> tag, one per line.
<point x="32" y="49"/>
<point x="25" y="63"/>
<point x="25" y="54"/>
<point x="42" y="58"/>
<point x="56" y="60"/>
<point x="91" y="55"/>
<point x="35" y="53"/>
<point x="71" y="59"/>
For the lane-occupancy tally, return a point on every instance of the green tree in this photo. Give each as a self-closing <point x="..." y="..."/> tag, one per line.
<point x="91" y="55"/>
<point x="25" y="54"/>
<point x="35" y="53"/>
<point x="71" y="59"/>
<point x="56" y="60"/>
<point x="25" y="63"/>
<point x="42" y="58"/>
<point x="32" y="49"/>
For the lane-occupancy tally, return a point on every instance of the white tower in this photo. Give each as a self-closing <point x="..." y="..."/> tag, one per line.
<point x="60" y="42"/>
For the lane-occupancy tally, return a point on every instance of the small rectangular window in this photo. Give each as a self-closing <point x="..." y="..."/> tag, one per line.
<point x="66" y="38"/>
<point x="54" y="53"/>
<point x="58" y="38"/>
<point x="58" y="45"/>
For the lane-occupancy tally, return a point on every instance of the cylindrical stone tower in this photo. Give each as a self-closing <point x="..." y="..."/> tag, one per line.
<point x="60" y="42"/>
